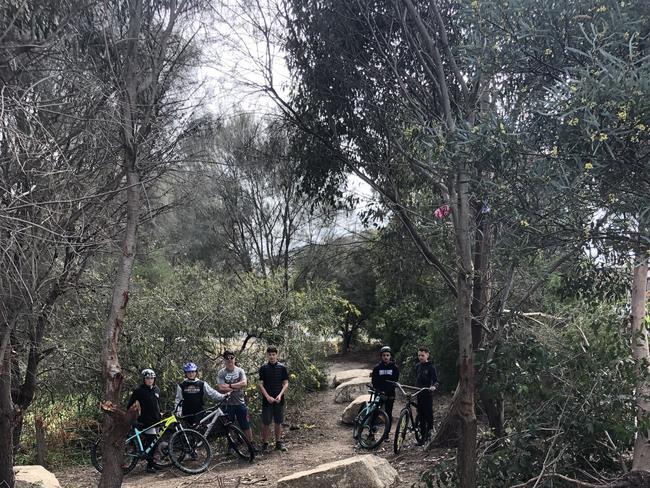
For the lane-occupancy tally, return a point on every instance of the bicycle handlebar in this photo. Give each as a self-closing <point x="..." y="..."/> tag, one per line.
<point x="412" y="395"/>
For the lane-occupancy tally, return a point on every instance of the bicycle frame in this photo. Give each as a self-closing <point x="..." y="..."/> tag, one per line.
<point x="166" y="423"/>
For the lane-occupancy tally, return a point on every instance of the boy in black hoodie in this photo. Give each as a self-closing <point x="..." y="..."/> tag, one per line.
<point x="386" y="371"/>
<point x="148" y="395"/>
<point x="425" y="377"/>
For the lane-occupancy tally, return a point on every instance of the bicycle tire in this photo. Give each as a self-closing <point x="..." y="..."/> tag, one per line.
<point x="417" y="429"/>
<point x="356" y="427"/>
<point x="161" y="458"/>
<point x="239" y="443"/>
<point x="400" y="431"/>
<point x="130" y="456"/>
<point x="373" y="423"/>
<point x="190" y="451"/>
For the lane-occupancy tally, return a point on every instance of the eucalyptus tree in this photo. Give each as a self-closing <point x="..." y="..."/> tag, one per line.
<point x="143" y="49"/>
<point x="442" y="100"/>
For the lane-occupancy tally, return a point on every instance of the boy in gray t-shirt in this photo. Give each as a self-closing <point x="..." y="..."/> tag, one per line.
<point x="232" y="379"/>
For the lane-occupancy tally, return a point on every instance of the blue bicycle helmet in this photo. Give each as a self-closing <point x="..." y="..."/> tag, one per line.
<point x="189" y="367"/>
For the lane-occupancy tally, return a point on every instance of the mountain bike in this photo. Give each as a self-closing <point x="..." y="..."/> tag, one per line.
<point x="371" y="425"/>
<point x="405" y="422"/>
<point x="222" y="433"/>
<point x="185" y="448"/>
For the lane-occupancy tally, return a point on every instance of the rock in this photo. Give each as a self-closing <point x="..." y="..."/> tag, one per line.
<point x="343" y="376"/>
<point x="353" y="408"/>
<point x="349" y="390"/>
<point x="367" y="471"/>
<point x="35" y="475"/>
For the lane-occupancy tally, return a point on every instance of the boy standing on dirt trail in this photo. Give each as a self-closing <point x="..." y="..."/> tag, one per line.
<point x="148" y="396"/>
<point x="232" y="379"/>
<point x="425" y="377"/>
<point x="274" y="381"/>
<point x="385" y="371"/>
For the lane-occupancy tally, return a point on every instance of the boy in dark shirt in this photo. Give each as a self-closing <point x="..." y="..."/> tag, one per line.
<point x="386" y="371"/>
<point x="274" y="381"/>
<point x="425" y="377"/>
<point x="148" y="396"/>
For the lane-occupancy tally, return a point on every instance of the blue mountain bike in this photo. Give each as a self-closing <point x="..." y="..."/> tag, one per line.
<point x="371" y="425"/>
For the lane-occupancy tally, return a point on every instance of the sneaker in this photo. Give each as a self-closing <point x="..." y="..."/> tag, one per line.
<point x="279" y="446"/>
<point x="255" y="449"/>
<point x="265" y="446"/>
<point x="150" y="468"/>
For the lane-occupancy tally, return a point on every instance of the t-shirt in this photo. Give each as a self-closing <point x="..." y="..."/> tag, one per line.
<point x="273" y="375"/>
<point x="227" y="377"/>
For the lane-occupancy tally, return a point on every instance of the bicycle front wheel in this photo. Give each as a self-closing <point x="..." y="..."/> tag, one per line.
<point x="190" y="451"/>
<point x="239" y="443"/>
<point x="401" y="431"/>
<point x="129" y="456"/>
<point x="373" y="429"/>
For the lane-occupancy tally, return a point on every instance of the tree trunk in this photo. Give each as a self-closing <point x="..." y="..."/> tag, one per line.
<point x="41" y="442"/>
<point x="113" y="433"/>
<point x="641" y="353"/>
<point x="466" y="453"/>
<point x="6" y="418"/>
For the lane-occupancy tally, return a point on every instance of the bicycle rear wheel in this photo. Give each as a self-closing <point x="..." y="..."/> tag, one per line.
<point x="400" y="431"/>
<point x="374" y="427"/>
<point x="190" y="451"/>
<point x="161" y="458"/>
<point x="239" y="443"/>
<point x="129" y="456"/>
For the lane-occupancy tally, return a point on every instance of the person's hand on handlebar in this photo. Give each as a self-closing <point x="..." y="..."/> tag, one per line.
<point x="433" y="388"/>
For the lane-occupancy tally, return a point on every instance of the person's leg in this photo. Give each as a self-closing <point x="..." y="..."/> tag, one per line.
<point x="148" y="439"/>
<point x="388" y="407"/>
<point x="267" y="417"/>
<point x="243" y="420"/>
<point x="278" y="418"/>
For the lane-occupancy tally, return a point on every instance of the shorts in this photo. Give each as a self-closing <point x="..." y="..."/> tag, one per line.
<point x="272" y="413"/>
<point x="239" y="412"/>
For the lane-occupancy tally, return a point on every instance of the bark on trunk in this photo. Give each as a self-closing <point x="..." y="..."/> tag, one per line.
<point x="113" y="431"/>
<point x="466" y="454"/>
<point x="6" y="420"/>
<point x="641" y="353"/>
<point x="41" y="441"/>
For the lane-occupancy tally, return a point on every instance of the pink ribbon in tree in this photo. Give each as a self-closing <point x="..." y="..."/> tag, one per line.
<point x="442" y="212"/>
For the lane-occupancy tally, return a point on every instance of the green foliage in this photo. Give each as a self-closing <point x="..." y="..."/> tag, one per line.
<point x="568" y="390"/>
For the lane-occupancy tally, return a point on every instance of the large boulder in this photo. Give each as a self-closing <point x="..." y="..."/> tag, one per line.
<point x="353" y="408"/>
<point x="367" y="471"/>
<point x="35" y="475"/>
<point x="343" y="376"/>
<point x="348" y="391"/>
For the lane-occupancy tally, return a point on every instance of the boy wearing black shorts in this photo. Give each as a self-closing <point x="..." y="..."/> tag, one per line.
<point x="274" y="381"/>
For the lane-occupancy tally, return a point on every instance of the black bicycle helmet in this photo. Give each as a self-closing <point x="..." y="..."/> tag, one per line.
<point x="386" y="349"/>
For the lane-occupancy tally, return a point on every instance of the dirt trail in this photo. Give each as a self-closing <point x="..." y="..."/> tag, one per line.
<point x="319" y="438"/>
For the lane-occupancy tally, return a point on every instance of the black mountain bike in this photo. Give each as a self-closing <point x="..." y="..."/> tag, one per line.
<point x="406" y="423"/>
<point x="371" y="424"/>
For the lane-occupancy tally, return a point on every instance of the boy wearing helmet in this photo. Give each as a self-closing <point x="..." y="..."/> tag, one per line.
<point x="192" y="391"/>
<point x="385" y="371"/>
<point x="148" y="396"/>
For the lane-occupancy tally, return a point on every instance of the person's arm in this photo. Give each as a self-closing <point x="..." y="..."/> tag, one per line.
<point x="374" y="378"/>
<point x="285" y="385"/>
<point x="178" y="400"/>
<point x="222" y="386"/>
<point x="434" y="379"/>
<point x="242" y="383"/>
<point x="132" y="399"/>
<point x="212" y="393"/>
